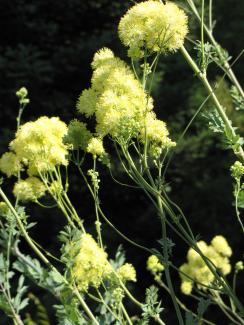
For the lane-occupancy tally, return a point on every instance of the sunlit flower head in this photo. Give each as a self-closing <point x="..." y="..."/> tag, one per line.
<point x="221" y="245"/>
<point x="95" y="147"/>
<point x="154" y="265"/>
<point x="218" y="252"/>
<point x="127" y="272"/>
<point x="115" y="95"/>
<point x="29" y="189"/>
<point x="39" y="144"/>
<point x="90" y="264"/>
<point x="153" y="27"/>
<point x="10" y="164"/>
<point x="186" y="287"/>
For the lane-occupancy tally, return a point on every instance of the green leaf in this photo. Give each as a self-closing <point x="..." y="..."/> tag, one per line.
<point x="202" y="307"/>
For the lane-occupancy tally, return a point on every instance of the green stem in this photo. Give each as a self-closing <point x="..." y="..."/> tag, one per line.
<point x="166" y="257"/>
<point x="163" y="285"/>
<point x="239" y="151"/>
<point x="16" y="318"/>
<point x="126" y="315"/>
<point x="43" y="258"/>
<point x="227" y="67"/>
<point x="237" y="191"/>
<point x="211" y="16"/>
<point x="226" y="310"/>
<point x="202" y="40"/>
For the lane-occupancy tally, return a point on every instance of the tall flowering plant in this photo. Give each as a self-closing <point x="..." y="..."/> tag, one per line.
<point x="90" y="287"/>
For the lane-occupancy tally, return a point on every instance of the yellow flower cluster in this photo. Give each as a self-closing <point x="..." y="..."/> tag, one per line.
<point x="154" y="27"/>
<point x="153" y="265"/>
<point x="39" y="145"/>
<point x="157" y="133"/>
<point x="90" y="264"/>
<point x="122" y="108"/>
<point x="218" y="252"/>
<point x="95" y="147"/>
<point x="29" y="189"/>
<point x="115" y="94"/>
<point x="127" y="272"/>
<point x="10" y="164"/>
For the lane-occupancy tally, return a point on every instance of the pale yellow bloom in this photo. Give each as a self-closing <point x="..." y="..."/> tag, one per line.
<point x="121" y="106"/>
<point x="90" y="264"/>
<point x="186" y="287"/>
<point x="220" y="244"/>
<point x="239" y="266"/>
<point x="95" y="147"/>
<point x="153" y="26"/>
<point x="10" y="164"/>
<point x="127" y="272"/>
<point x="29" y="189"/>
<point x="156" y="132"/>
<point x="39" y="144"/>
<point x="115" y="96"/>
<point x="153" y="265"/>
<point x="218" y="252"/>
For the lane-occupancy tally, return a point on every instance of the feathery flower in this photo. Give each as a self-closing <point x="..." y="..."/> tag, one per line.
<point x="115" y="95"/>
<point x="218" y="252"/>
<point x="156" y="132"/>
<point x="127" y="272"/>
<point x="10" y="164"/>
<point x="90" y="264"/>
<point x="39" y="144"/>
<point x="95" y="147"/>
<point x="153" y="26"/>
<point x="221" y="246"/>
<point x="186" y="287"/>
<point x="121" y="106"/>
<point x="154" y="265"/>
<point x="29" y="189"/>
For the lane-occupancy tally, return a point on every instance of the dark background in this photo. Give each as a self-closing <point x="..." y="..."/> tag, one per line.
<point x="47" y="46"/>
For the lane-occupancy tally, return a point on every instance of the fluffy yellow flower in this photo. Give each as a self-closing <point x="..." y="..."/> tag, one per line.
<point x="220" y="244"/>
<point x="121" y="106"/>
<point x="95" y="147"/>
<point x="102" y="56"/>
<point x="156" y="132"/>
<point x="29" y="189"/>
<point x="193" y="256"/>
<point x="86" y="103"/>
<point x="239" y="266"/>
<point x="90" y="265"/>
<point x="186" y="287"/>
<point x="153" y="26"/>
<point x="10" y="164"/>
<point x="153" y="265"/>
<point x="127" y="272"/>
<point x="40" y="145"/>
<point x="196" y="269"/>
<point x="115" y="95"/>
